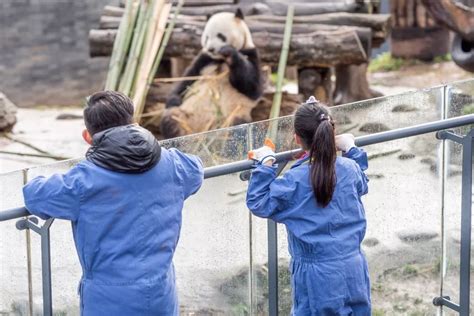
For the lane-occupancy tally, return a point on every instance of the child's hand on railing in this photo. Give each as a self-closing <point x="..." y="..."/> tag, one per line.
<point x="345" y="142"/>
<point x="264" y="155"/>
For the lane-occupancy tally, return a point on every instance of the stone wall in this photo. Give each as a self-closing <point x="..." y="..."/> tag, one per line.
<point x="44" y="53"/>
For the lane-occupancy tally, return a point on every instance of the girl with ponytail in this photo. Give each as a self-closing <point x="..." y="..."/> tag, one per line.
<point x="319" y="201"/>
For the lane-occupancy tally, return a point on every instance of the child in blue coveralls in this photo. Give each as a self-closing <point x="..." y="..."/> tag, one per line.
<point x="319" y="201"/>
<point x="125" y="202"/>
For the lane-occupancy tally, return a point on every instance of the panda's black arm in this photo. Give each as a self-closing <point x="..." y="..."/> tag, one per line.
<point x="201" y="61"/>
<point x="245" y="73"/>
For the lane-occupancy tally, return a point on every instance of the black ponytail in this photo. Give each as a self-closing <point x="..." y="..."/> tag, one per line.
<point x="315" y="127"/>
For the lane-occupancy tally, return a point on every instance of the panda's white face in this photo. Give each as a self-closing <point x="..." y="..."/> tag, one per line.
<point x="224" y="29"/>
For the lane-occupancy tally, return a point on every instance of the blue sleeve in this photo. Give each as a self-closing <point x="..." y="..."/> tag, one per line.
<point x="58" y="196"/>
<point x="362" y="164"/>
<point x="190" y="170"/>
<point x="267" y="195"/>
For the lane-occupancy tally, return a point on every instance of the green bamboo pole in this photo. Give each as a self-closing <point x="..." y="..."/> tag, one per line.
<point x="140" y="105"/>
<point x="275" y="110"/>
<point x="150" y="45"/>
<point x="118" y="51"/>
<point x="126" y="81"/>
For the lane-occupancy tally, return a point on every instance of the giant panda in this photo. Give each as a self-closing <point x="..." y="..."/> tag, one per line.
<point x="232" y="85"/>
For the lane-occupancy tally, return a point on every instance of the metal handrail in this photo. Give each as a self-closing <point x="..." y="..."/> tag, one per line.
<point x="243" y="165"/>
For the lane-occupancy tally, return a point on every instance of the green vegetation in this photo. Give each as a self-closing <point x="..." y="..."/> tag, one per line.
<point x="442" y="59"/>
<point x="468" y="109"/>
<point x="386" y="62"/>
<point x="410" y="270"/>
<point x="378" y="312"/>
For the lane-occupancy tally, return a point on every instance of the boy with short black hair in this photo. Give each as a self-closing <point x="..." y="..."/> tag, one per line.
<point x="125" y="202"/>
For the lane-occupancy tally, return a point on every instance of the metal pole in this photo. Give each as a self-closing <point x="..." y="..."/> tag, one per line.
<point x="46" y="269"/>
<point x="28" y="258"/>
<point x="272" y="268"/>
<point x="272" y="233"/>
<point x="466" y="220"/>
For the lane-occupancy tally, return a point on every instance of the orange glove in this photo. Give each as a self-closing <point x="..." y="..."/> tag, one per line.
<point x="265" y="153"/>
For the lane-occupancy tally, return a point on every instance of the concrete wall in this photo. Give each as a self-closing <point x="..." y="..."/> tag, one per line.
<point x="44" y="53"/>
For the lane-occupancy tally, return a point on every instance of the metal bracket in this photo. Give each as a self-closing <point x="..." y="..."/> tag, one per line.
<point x="32" y="223"/>
<point x="466" y="220"/>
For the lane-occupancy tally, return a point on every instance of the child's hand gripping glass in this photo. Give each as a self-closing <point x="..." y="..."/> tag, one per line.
<point x="265" y="154"/>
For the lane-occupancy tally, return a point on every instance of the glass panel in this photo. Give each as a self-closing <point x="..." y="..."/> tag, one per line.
<point x="13" y="261"/>
<point x="65" y="267"/>
<point x="460" y="101"/>
<point x="215" y="147"/>
<point x="212" y="258"/>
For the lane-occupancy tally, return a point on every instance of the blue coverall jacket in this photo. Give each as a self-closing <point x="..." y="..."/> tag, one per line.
<point x="124" y="202"/>
<point x="329" y="273"/>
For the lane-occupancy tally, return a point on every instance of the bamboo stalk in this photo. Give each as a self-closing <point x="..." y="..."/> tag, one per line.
<point x="147" y="50"/>
<point x="275" y="110"/>
<point x="119" y="49"/>
<point x="126" y="81"/>
<point x="140" y="105"/>
<point x="156" y="31"/>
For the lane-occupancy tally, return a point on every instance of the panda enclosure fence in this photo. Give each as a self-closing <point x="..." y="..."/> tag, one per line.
<point x="326" y="37"/>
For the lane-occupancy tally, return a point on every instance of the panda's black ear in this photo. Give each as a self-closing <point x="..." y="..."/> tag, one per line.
<point x="239" y="14"/>
<point x="208" y="16"/>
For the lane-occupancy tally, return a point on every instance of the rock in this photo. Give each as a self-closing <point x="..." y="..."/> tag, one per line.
<point x="371" y="242"/>
<point x="7" y="114"/>
<point x="69" y="116"/>
<point x="404" y="108"/>
<point x="375" y="176"/>
<point x="412" y="237"/>
<point x="428" y="160"/>
<point x="406" y="156"/>
<point x="374" y="128"/>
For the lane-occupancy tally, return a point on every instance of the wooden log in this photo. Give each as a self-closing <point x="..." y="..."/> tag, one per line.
<point x="456" y="16"/>
<point x="198" y="3"/>
<point x="319" y="48"/>
<point x="101" y="42"/>
<point x="109" y="22"/>
<point x="279" y="8"/>
<point x="110" y="10"/>
<point x="378" y="22"/>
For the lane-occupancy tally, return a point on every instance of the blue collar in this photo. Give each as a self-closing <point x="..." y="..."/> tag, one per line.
<point x="299" y="162"/>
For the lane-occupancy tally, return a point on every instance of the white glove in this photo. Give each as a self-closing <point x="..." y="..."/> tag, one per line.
<point x="345" y="142"/>
<point x="263" y="154"/>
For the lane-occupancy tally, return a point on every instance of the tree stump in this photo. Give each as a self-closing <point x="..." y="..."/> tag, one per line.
<point x="352" y="84"/>
<point x="315" y="81"/>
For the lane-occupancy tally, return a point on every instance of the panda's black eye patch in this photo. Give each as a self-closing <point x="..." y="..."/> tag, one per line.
<point x="222" y="37"/>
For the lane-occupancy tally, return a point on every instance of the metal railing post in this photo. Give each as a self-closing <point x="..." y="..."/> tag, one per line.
<point x="46" y="268"/>
<point x="466" y="221"/>
<point x="32" y="224"/>
<point x="272" y="233"/>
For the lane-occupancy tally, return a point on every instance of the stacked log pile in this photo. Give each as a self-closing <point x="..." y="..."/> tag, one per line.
<point x="325" y="36"/>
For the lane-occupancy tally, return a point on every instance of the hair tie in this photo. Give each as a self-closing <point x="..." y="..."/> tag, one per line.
<point x="312" y="99"/>
<point x="323" y="117"/>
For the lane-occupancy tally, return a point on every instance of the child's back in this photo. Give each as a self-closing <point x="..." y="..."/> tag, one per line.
<point x="125" y="204"/>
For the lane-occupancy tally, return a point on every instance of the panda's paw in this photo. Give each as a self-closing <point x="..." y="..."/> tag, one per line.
<point x="173" y="100"/>
<point x="227" y="51"/>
